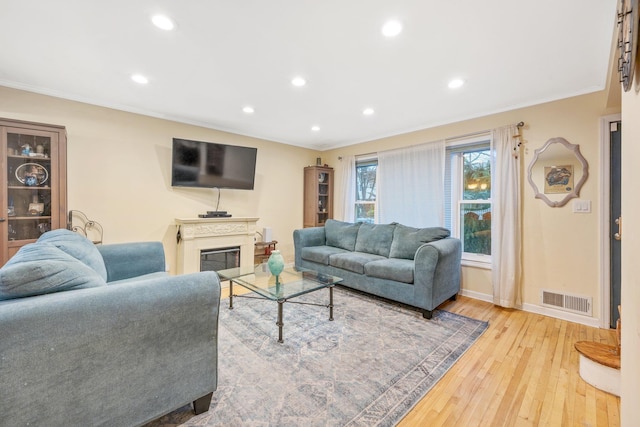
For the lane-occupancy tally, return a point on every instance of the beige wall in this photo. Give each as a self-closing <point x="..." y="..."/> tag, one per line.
<point x="630" y="393"/>
<point x="561" y="249"/>
<point x="119" y="172"/>
<point x="119" y="175"/>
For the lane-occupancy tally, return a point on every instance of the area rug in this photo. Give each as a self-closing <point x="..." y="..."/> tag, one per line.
<point x="368" y="367"/>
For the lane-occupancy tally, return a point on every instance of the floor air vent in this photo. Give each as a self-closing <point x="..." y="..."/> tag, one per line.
<point x="567" y="302"/>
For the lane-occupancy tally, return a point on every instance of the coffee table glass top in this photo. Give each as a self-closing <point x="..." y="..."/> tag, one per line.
<point x="292" y="282"/>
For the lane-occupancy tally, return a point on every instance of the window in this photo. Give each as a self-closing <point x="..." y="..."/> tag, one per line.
<point x="365" y="209"/>
<point x="468" y="210"/>
<point x="467" y="196"/>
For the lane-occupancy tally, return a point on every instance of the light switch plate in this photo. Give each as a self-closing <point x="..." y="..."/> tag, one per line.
<point x="582" y="206"/>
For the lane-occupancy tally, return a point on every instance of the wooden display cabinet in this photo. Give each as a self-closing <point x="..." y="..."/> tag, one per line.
<point x="318" y="195"/>
<point x="33" y="181"/>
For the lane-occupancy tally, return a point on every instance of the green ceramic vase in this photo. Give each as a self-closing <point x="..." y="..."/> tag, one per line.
<point x="276" y="263"/>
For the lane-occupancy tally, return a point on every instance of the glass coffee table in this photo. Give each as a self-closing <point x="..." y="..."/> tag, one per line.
<point x="291" y="283"/>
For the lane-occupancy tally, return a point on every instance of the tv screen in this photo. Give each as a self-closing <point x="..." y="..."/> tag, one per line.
<point x="210" y="165"/>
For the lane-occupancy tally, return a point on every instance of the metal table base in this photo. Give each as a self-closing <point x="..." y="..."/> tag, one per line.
<point x="281" y="302"/>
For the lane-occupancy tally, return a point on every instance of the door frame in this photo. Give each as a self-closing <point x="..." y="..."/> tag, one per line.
<point x="605" y="224"/>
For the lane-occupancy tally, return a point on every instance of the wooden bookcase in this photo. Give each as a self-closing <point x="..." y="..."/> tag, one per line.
<point x="33" y="181"/>
<point x="318" y="195"/>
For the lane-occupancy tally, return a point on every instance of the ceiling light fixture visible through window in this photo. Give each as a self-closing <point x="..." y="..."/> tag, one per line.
<point x="298" y="81"/>
<point x="456" y="83"/>
<point x="368" y="111"/>
<point x="163" y="22"/>
<point x="392" y="28"/>
<point x="248" y="109"/>
<point x="139" y="78"/>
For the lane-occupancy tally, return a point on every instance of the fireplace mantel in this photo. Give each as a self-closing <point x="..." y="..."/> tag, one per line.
<point x="198" y="234"/>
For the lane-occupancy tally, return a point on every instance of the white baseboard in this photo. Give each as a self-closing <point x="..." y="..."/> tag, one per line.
<point x="545" y="311"/>
<point x="476" y="295"/>
<point x="562" y="315"/>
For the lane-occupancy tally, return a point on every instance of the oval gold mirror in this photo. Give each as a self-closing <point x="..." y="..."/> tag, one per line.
<point x="557" y="172"/>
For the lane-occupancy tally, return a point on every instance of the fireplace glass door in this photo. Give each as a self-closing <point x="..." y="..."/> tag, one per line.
<point x="219" y="259"/>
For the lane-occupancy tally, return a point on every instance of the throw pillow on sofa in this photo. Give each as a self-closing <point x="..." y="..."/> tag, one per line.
<point x="341" y="234"/>
<point x="40" y="268"/>
<point x="407" y="240"/>
<point x="78" y="247"/>
<point x="375" y="238"/>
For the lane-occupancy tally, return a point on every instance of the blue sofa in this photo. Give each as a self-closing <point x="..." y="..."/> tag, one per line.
<point x="102" y="335"/>
<point x="415" y="266"/>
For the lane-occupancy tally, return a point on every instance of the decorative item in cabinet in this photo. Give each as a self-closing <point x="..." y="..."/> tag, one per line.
<point x="34" y="180"/>
<point x="318" y="195"/>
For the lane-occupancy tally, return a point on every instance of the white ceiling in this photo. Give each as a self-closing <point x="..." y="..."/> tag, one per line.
<point x="224" y="55"/>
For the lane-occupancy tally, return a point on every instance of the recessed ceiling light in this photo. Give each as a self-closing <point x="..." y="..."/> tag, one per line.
<point x="392" y="28"/>
<point x="368" y="111"/>
<point x="163" y="22"/>
<point x="298" y="81"/>
<point x="456" y="83"/>
<point x="139" y="78"/>
<point x="248" y="109"/>
<point x="315" y="128"/>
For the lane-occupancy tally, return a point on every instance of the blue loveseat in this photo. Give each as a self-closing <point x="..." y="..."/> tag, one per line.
<point x="415" y="266"/>
<point x="102" y="335"/>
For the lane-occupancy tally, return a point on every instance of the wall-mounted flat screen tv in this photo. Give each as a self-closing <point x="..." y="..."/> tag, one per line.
<point x="211" y="165"/>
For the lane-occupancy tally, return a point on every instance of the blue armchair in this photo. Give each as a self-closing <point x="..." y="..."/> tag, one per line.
<point x="103" y="335"/>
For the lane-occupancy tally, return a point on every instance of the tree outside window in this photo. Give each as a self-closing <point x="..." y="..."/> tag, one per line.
<point x="475" y="205"/>
<point x="366" y="191"/>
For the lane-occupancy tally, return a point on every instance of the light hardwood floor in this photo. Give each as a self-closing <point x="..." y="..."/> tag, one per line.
<point x="523" y="371"/>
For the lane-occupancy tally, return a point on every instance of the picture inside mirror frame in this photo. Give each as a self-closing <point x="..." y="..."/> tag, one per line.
<point x="557" y="172"/>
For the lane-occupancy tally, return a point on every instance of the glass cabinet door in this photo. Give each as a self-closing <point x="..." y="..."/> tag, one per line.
<point x="318" y="195"/>
<point x="30" y="185"/>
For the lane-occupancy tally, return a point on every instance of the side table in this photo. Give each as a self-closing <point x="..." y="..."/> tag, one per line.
<point x="263" y="251"/>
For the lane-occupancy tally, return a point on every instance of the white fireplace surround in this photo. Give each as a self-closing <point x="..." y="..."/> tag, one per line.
<point x="201" y="234"/>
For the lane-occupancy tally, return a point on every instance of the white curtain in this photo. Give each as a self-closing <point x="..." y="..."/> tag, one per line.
<point x="411" y="185"/>
<point x="506" y="226"/>
<point x="348" y="183"/>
